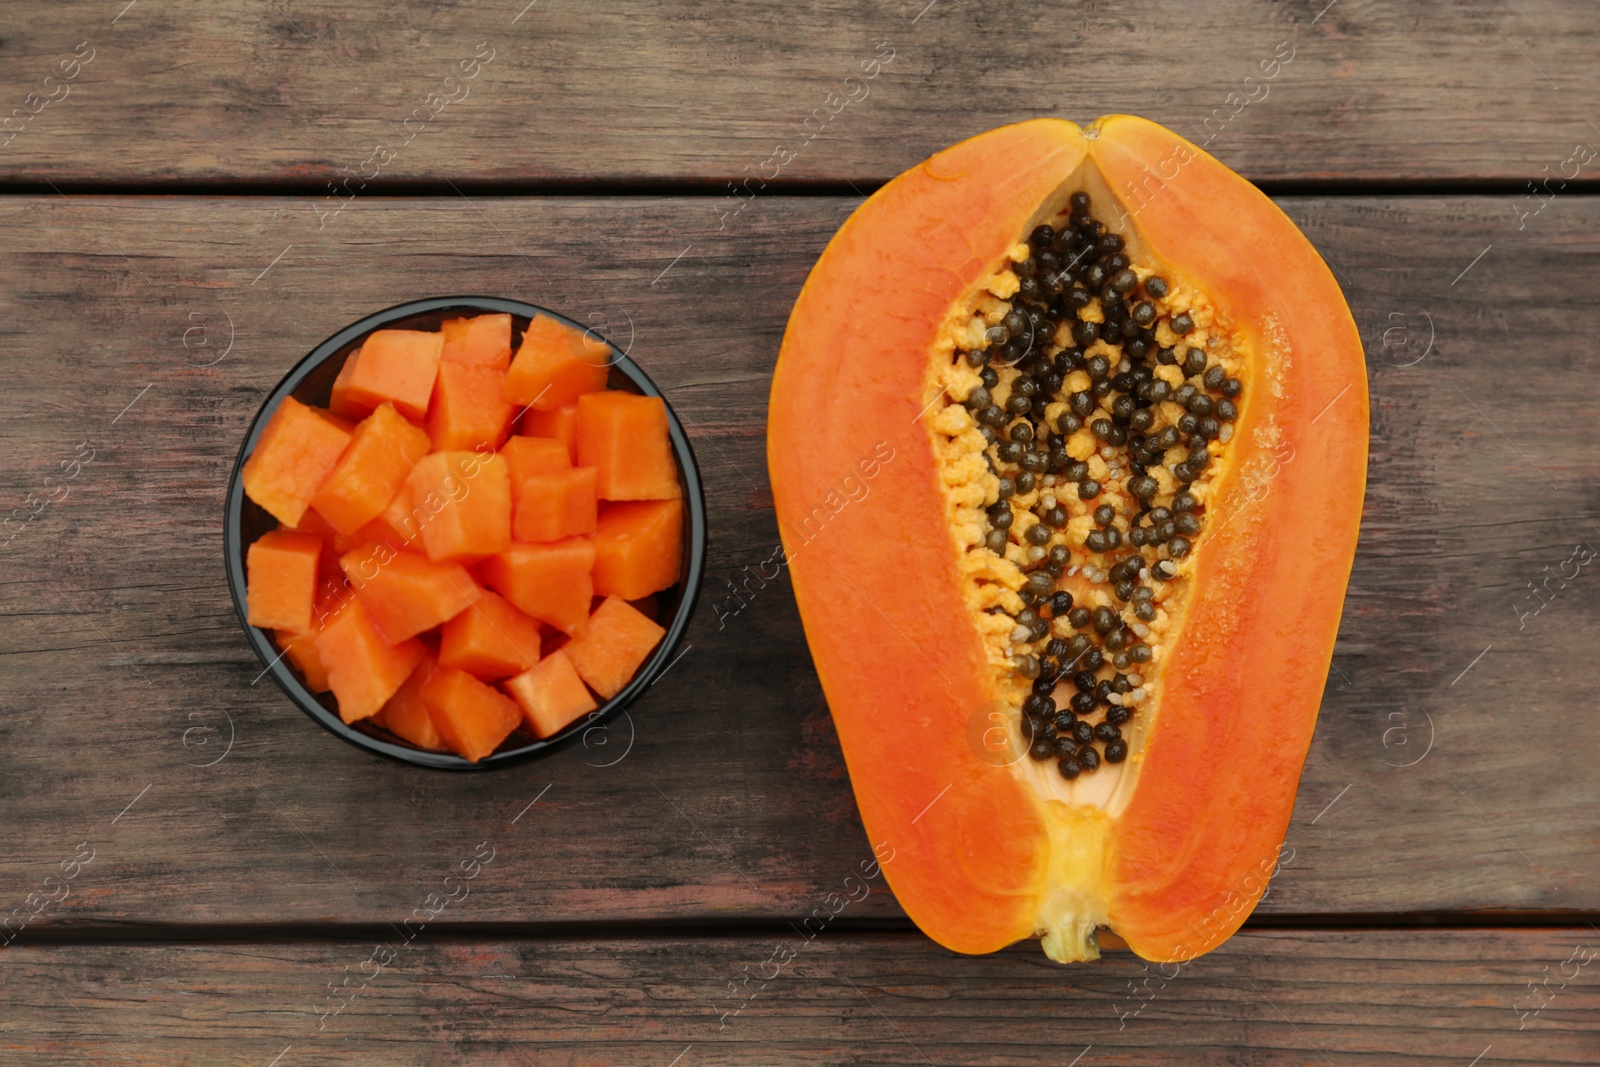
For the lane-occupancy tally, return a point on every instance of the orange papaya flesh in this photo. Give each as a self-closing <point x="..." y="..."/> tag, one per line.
<point x="281" y="579"/>
<point x="381" y="452"/>
<point x="552" y="581"/>
<point x="401" y="521"/>
<point x="466" y="497"/>
<point x="405" y="593"/>
<point x="555" y="505"/>
<point x="551" y="695"/>
<point x="300" y="648"/>
<point x="1200" y="687"/>
<point x="397" y="366"/>
<point x="490" y="640"/>
<point x="406" y="715"/>
<point x="638" y="548"/>
<point x="471" y="717"/>
<point x="609" y="651"/>
<point x="364" y="668"/>
<point x="296" y="451"/>
<point x="558" y="424"/>
<point x="483" y="340"/>
<point x="534" y="455"/>
<point x="555" y="365"/>
<point x="624" y="437"/>
<point x="469" y="409"/>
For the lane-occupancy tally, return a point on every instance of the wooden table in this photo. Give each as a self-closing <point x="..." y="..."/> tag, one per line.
<point x="172" y="243"/>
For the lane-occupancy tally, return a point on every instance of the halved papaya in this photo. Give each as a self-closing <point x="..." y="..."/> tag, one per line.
<point x="1071" y="596"/>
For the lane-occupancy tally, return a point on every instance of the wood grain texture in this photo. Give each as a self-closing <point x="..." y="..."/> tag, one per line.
<point x="311" y="90"/>
<point x="123" y="673"/>
<point x="1354" y="998"/>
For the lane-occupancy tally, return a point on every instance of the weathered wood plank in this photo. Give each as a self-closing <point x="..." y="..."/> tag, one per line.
<point x="320" y="91"/>
<point x="1370" y="997"/>
<point x="121" y="664"/>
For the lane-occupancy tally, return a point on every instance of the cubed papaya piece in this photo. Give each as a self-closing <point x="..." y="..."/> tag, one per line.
<point x="378" y="532"/>
<point x="381" y="453"/>
<point x="469" y="408"/>
<point x="483" y="340"/>
<point x="333" y="591"/>
<point x="406" y="715"/>
<point x="394" y="365"/>
<point x="609" y="651"/>
<point x="555" y="365"/>
<point x="281" y="579"/>
<point x="300" y="649"/>
<point x="552" y="506"/>
<point x="549" y="581"/>
<point x="624" y="437"/>
<point x="406" y="593"/>
<point x="528" y="456"/>
<point x="398" y="524"/>
<point x="467" y="499"/>
<point x="490" y="640"/>
<point x="557" y="424"/>
<point x="638" y="548"/>
<point x="294" y="454"/>
<point x="311" y="523"/>
<point x="473" y="718"/>
<point x="551" y="695"/>
<point x="328" y="559"/>
<point x="364" y="667"/>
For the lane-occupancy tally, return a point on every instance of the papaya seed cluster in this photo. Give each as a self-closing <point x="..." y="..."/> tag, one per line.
<point x="1105" y="396"/>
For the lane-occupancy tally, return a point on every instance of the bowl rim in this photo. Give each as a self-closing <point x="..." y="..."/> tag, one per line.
<point x="274" y="660"/>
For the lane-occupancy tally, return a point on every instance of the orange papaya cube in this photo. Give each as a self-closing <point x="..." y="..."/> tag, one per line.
<point x="609" y="652"/>
<point x="638" y="548"/>
<point x="311" y="523"/>
<point x="397" y="366"/>
<point x="298" y="449"/>
<point x="398" y="523"/>
<point x="333" y="591"/>
<point x="381" y="453"/>
<point x="469" y="408"/>
<point x="490" y="640"/>
<point x="466" y="498"/>
<point x="555" y="365"/>
<point x="549" y="581"/>
<point x="300" y="649"/>
<point x="483" y="340"/>
<point x="406" y="715"/>
<point x="624" y="437"/>
<point x="364" y="667"/>
<point x="552" y="506"/>
<point x="534" y="455"/>
<point x="559" y="424"/>
<point x="473" y="718"/>
<point x="551" y="695"/>
<point x="405" y="593"/>
<point x="328" y="559"/>
<point x="377" y="532"/>
<point x="281" y="579"/>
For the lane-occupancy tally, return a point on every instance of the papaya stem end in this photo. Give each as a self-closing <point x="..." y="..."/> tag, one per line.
<point x="1072" y="942"/>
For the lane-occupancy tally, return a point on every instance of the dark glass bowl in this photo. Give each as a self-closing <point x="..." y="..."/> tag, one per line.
<point x="310" y="382"/>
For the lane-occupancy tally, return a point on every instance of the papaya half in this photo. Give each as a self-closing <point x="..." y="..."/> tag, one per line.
<point x="1068" y="440"/>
